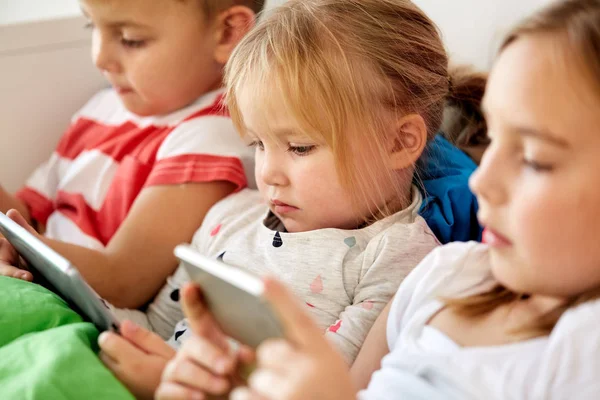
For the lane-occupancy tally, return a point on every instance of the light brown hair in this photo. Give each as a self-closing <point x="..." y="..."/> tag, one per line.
<point x="576" y="26"/>
<point x="337" y="65"/>
<point x="211" y="7"/>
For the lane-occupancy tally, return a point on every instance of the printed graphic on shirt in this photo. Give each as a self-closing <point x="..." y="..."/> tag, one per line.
<point x="216" y="230"/>
<point x="277" y="242"/>
<point x="350" y="241"/>
<point x="317" y="285"/>
<point x="335" y="327"/>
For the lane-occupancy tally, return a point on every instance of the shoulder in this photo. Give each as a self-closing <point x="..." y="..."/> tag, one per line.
<point x="105" y="107"/>
<point x="209" y="134"/>
<point x="448" y="271"/>
<point x="570" y="367"/>
<point x="452" y="269"/>
<point x="405" y="236"/>
<point x="245" y="205"/>
<point x="246" y="199"/>
<point x="579" y="321"/>
<point x="205" y="128"/>
<point x="409" y="235"/>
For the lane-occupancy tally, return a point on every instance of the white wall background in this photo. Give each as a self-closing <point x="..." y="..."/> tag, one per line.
<point x="16" y="11"/>
<point x="46" y="73"/>
<point x="472" y="29"/>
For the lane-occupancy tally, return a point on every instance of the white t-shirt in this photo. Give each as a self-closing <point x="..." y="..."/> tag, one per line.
<point x="424" y="363"/>
<point x="345" y="277"/>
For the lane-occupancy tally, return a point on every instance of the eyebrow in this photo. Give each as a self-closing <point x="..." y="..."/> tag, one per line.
<point x="533" y="133"/>
<point x="278" y="133"/>
<point x="542" y="135"/>
<point x="126" y="24"/>
<point x="118" y="24"/>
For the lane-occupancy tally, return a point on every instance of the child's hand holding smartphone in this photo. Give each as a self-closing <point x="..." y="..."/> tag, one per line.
<point x="206" y="364"/>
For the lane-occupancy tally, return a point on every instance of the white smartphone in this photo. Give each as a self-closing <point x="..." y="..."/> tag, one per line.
<point x="234" y="296"/>
<point x="59" y="274"/>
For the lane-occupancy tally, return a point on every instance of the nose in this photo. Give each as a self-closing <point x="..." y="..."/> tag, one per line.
<point x="488" y="182"/>
<point x="104" y="53"/>
<point x="270" y="169"/>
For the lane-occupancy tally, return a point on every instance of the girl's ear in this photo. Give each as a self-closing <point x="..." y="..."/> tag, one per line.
<point x="231" y="26"/>
<point x="408" y="142"/>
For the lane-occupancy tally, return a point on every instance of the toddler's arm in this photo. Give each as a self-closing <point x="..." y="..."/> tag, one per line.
<point x="394" y="256"/>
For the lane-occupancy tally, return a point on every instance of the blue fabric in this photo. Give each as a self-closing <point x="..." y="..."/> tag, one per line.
<point x="449" y="207"/>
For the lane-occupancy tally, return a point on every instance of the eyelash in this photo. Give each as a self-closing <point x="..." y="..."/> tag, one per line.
<point x="257" y="143"/>
<point x="297" y="150"/>
<point x="300" y="151"/>
<point x="537" y="167"/>
<point x="132" y="44"/>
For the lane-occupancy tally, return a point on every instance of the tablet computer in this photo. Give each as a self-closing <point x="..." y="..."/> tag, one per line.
<point x="234" y="296"/>
<point x="62" y="277"/>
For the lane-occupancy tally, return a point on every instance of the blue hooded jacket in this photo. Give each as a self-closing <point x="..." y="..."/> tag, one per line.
<point x="449" y="207"/>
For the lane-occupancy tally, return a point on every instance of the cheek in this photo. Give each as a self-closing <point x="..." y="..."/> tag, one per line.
<point x="158" y="67"/>
<point x="146" y="73"/>
<point x="550" y="230"/>
<point x="534" y="217"/>
<point x="258" y="164"/>
<point x="318" y="178"/>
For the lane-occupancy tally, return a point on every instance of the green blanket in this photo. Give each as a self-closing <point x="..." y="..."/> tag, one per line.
<point x="47" y="351"/>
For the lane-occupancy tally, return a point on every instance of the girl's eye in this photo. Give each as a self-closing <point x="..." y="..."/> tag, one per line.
<point x="301" y="150"/>
<point x="134" y="44"/>
<point x="257" y="144"/>
<point x="537" y="167"/>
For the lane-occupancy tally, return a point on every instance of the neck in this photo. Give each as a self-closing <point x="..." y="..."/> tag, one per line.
<point x="390" y="207"/>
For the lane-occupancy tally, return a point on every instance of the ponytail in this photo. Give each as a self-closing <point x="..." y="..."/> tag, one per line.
<point x="464" y="124"/>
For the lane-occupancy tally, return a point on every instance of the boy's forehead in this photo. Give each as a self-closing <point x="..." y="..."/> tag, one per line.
<point x="132" y="12"/>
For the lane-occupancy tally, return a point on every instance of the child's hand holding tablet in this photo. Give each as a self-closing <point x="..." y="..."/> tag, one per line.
<point x="62" y="277"/>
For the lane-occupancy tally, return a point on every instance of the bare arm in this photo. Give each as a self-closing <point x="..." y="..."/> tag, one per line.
<point x="9" y="201"/>
<point x="373" y="350"/>
<point x="138" y="259"/>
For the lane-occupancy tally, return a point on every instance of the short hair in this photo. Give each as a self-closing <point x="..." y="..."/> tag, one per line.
<point x="213" y="7"/>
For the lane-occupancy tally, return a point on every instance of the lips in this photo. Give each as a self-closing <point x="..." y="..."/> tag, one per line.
<point x="122" y="90"/>
<point x="279" y="203"/>
<point x="281" y="208"/>
<point x="495" y="239"/>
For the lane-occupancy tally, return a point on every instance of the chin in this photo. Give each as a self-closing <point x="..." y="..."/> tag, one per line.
<point x="294" y="227"/>
<point x="138" y="110"/>
<point x="507" y="274"/>
<point x="142" y="109"/>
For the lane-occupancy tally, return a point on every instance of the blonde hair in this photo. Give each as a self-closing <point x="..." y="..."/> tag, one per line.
<point x="336" y="65"/>
<point x="577" y="23"/>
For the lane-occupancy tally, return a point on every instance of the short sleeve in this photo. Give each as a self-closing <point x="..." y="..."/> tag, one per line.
<point x="165" y="310"/>
<point x="40" y="189"/>
<point x="378" y="284"/>
<point x="448" y="271"/>
<point x="204" y="149"/>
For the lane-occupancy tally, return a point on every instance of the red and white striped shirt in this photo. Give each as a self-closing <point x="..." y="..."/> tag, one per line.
<point x="108" y="155"/>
